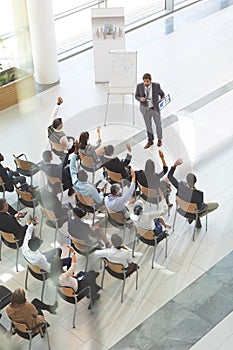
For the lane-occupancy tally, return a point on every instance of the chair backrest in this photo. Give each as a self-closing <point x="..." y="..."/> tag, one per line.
<point x="35" y="268"/>
<point x="150" y="192"/>
<point x="146" y="234"/>
<point x="2" y="183"/>
<point x="117" y="268"/>
<point x="26" y="196"/>
<point x="85" y="200"/>
<point x="116" y="216"/>
<point x="186" y="206"/>
<point x="87" y="161"/>
<point x="48" y="214"/>
<point x="115" y="177"/>
<point x="58" y="146"/>
<point x="66" y="291"/>
<point x="79" y="244"/>
<point x="53" y="180"/>
<point x="22" y="164"/>
<point x="8" y="237"/>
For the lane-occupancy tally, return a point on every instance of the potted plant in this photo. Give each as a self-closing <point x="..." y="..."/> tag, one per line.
<point x="15" y="84"/>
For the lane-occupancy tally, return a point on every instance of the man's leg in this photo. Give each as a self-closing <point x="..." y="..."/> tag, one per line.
<point x="211" y="206"/>
<point x="148" y="121"/>
<point x="157" y="120"/>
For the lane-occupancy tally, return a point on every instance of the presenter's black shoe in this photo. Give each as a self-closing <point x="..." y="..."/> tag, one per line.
<point x="149" y="143"/>
<point x="159" y="143"/>
<point x="70" y="191"/>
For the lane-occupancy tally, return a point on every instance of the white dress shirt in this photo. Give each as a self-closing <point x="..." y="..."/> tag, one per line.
<point x="66" y="279"/>
<point x="114" y="255"/>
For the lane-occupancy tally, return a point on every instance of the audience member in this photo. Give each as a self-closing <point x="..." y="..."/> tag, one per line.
<point x="11" y="178"/>
<point x="91" y="150"/>
<point x="150" y="179"/>
<point x="50" y="201"/>
<point x="60" y="171"/>
<point x="80" y="183"/>
<point x="115" y="164"/>
<point x="82" y="231"/>
<point x="148" y="220"/>
<point x="55" y="132"/>
<point x="116" y="201"/>
<point x="118" y="254"/>
<point x="32" y="254"/>
<point x="76" y="281"/>
<point x="21" y="310"/>
<point x="9" y="220"/>
<point x="187" y="191"/>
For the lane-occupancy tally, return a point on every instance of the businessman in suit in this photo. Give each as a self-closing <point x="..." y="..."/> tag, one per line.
<point x="150" y="94"/>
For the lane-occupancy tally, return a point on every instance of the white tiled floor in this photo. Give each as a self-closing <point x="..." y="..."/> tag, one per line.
<point x="189" y="64"/>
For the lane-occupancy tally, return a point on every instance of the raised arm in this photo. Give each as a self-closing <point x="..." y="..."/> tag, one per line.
<point x="170" y="176"/>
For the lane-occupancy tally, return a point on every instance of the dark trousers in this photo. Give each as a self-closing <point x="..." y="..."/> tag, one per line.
<point x="39" y="305"/>
<point x="89" y="281"/>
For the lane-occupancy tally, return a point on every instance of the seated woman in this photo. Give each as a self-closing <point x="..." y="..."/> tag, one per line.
<point x="76" y="281"/>
<point x="87" y="149"/>
<point x="150" y="179"/>
<point x="55" y="132"/>
<point x="21" y="310"/>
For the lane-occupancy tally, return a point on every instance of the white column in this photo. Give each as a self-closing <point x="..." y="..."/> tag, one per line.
<point x="43" y="41"/>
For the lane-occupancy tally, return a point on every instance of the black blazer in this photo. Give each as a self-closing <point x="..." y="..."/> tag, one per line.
<point x="156" y="93"/>
<point x="117" y="165"/>
<point x="186" y="193"/>
<point x="6" y="179"/>
<point x="8" y="223"/>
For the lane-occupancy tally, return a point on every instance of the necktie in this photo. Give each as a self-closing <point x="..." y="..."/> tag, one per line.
<point x="147" y="91"/>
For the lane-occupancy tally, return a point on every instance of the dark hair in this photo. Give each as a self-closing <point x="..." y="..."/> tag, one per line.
<point x="146" y="76"/>
<point x="83" y="138"/>
<point x="18" y="297"/>
<point x="191" y="179"/>
<point x="34" y="243"/>
<point x="109" y="150"/>
<point x="116" y="241"/>
<point x="137" y="209"/>
<point x="79" y="212"/>
<point x="2" y="203"/>
<point x="47" y="156"/>
<point x="115" y="189"/>
<point x="54" y="125"/>
<point x="82" y="176"/>
<point x="150" y="168"/>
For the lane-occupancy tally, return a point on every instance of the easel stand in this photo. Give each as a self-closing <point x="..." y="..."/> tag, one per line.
<point x="123" y="102"/>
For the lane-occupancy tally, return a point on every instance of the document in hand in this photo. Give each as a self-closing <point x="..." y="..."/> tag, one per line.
<point x="165" y="101"/>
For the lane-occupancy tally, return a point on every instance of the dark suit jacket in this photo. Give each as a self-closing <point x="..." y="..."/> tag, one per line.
<point x="156" y="92"/>
<point x="6" y="179"/>
<point x="80" y="230"/>
<point x="51" y="202"/>
<point x="8" y="223"/>
<point x="117" y="165"/>
<point x="151" y="182"/>
<point x="186" y="193"/>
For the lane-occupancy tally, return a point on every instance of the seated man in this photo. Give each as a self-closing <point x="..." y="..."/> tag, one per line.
<point x="116" y="201"/>
<point x="49" y="201"/>
<point x="60" y="171"/>
<point x="148" y="220"/>
<point x="80" y="230"/>
<point x="188" y="192"/>
<point x="115" y="164"/>
<point x="118" y="254"/>
<point x="9" y="220"/>
<point x="32" y="254"/>
<point x="81" y="185"/>
<point x="11" y="178"/>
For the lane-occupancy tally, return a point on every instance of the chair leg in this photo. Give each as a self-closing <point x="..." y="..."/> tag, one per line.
<point x="166" y="247"/>
<point x="47" y="334"/>
<point x="43" y="286"/>
<point x="122" y="292"/>
<point x="75" y="310"/>
<point x="93" y="218"/>
<point x="153" y="257"/>
<point x="102" y="280"/>
<point x="174" y="221"/>
<point x="206" y="221"/>
<point x="55" y="236"/>
<point x="17" y="256"/>
<point x="134" y="242"/>
<point x="86" y="263"/>
<point x="137" y="278"/>
<point x="41" y="223"/>
<point x="30" y="341"/>
<point x="26" y="279"/>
